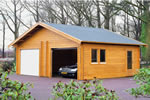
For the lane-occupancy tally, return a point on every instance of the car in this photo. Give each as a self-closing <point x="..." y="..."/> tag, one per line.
<point x="68" y="71"/>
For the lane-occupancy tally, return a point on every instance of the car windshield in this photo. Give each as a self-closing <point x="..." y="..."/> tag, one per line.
<point x="73" y="66"/>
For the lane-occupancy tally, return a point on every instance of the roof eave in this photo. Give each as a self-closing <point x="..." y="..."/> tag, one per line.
<point x="114" y="43"/>
<point x="25" y="33"/>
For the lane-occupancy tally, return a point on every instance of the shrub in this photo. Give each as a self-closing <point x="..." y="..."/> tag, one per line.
<point x="9" y="65"/>
<point x="87" y="90"/>
<point x="143" y="80"/>
<point x="13" y="90"/>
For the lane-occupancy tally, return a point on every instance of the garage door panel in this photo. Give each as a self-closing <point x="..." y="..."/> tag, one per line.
<point x="30" y="62"/>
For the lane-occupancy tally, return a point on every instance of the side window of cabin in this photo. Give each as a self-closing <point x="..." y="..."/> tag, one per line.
<point x="94" y="55"/>
<point x="102" y="55"/>
<point x="129" y="59"/>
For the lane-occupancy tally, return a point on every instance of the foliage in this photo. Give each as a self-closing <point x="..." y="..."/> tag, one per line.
<point x="143" y="80"/>
<point x="9" y="65"/>
<point x="13" y="90"/>
<point x="87" y="90"/>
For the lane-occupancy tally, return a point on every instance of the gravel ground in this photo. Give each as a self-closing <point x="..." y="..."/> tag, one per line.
<point x="42" y="86"/>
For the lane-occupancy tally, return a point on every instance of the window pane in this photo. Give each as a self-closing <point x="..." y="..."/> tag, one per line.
<point x="129" y="59"/>
<point x="94" y="55"/>
<point x="102" y="55"/>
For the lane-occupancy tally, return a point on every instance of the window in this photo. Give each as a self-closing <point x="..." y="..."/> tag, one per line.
<point x="129" y="59"/>
<point x="102" y="55"/>
<point x="94" y="55"/>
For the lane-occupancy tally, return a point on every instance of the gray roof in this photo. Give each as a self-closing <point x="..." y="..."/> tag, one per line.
<point x="94" y="34"/>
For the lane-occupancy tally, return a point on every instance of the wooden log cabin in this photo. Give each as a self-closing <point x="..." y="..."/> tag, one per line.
<point x="99" y="53"/>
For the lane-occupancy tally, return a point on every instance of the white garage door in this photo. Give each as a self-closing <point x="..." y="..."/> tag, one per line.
<point x="30" y="62"/>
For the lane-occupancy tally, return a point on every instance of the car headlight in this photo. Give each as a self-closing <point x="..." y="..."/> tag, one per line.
<point x="73" y="70"/>
<point x="60" y="69"/>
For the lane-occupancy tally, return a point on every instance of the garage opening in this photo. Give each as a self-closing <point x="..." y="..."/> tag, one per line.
<point x="64" y="62"/>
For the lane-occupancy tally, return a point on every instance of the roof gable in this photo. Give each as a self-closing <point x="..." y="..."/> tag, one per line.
<point x="36" y="26"/>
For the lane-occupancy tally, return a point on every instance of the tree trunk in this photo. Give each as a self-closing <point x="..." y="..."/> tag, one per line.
<point x="79" y="19"/>
<point x="145" y="36"/>
<point x="98" y="14"/>
<point x="107" y="23"/>
<point x="148" y="41"/>
<point x="128" y="26"/>
<point x="124" y="26"/>
<point x="113" y="19"/>
<point x="3" y="50"/>
<point x="37" y="11"/>
<point x="107" y="15"/>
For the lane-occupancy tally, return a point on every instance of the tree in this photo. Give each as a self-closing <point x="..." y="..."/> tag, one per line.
<point x="87" y="11"/>
<point x="33" y="6"/>
<point x="145" y="37"/>
<point x="142" y="6"/>
<point x="12" y="17"/>
<point x="48" y="13"/>
<point x="60" y="13"/>
<point x="107" y="11"/>
<point x="97" y="4"/>
<point x="74" y="13"/>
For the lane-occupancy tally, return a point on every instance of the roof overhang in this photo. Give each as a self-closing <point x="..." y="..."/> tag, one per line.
<point x="39" y="26"/>
<point x="114" y="43"/>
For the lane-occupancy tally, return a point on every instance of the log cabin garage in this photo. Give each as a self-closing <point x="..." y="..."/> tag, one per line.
<point x="99" y="53"/>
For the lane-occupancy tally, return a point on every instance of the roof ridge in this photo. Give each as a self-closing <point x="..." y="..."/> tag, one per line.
<point x="74" y="25"/>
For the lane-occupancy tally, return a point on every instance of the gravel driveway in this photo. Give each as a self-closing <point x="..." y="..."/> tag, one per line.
<point x="42" y="86"/>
